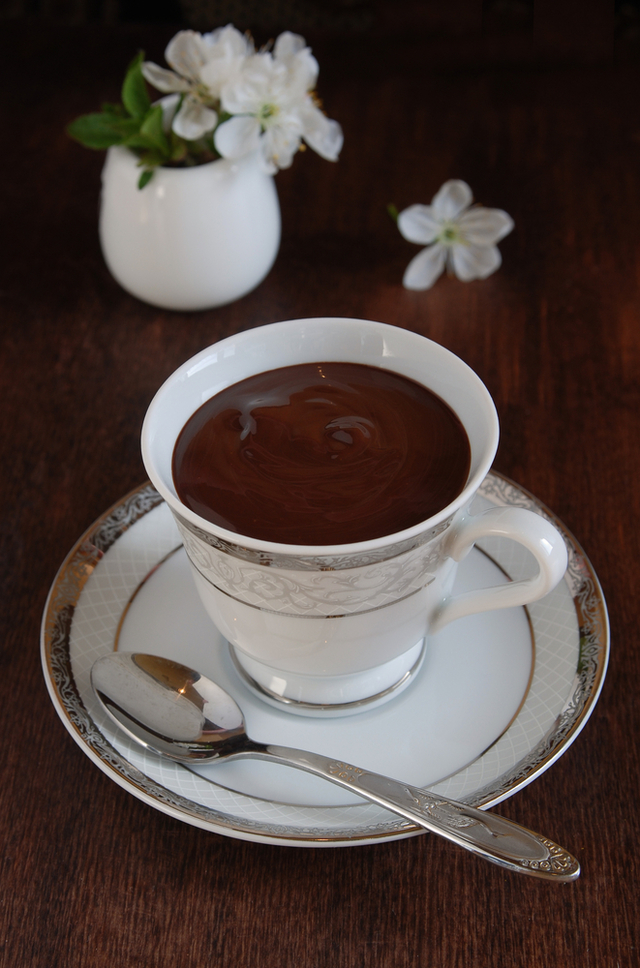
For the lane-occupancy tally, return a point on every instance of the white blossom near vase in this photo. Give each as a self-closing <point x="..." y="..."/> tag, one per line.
<point x="194" y="238"/>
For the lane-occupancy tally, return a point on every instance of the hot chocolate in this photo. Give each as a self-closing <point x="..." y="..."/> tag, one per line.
<point x="321" y="454"/>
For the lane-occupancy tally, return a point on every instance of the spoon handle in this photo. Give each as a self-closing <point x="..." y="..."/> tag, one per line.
<point x="494" y="838"/>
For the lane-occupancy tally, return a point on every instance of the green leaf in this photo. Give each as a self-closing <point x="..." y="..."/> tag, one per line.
<point x="125" y="126"/>
<point x="134" y="90"/>
<point x="138" y="142"/>
<point x="393" y="211"/>
<point x="101" y="131"/>
<point x="145" y="177"/>
<point x="151" y="159"/>
<point x="179" y="148"/>
<point x="151" y="128"/>
<point x="116" y="109"/>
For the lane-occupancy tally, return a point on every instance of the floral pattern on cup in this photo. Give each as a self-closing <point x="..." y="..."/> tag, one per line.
<point x="328" y="593"/>
<point x="304" y="562"/>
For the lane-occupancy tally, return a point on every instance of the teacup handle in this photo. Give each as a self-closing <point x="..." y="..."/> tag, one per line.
<point x="540" y="537"/>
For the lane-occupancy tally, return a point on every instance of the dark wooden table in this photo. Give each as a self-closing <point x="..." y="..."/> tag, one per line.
<point x="93" y="877"/>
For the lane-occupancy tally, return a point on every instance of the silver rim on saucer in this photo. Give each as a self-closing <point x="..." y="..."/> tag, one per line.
<point x="77" y="570"/>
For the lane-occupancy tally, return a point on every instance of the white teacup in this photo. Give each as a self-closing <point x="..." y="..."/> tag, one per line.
<point x="335" y="629"/>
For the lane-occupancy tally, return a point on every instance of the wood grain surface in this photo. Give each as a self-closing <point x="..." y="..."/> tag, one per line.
<point x="90" y="876"/>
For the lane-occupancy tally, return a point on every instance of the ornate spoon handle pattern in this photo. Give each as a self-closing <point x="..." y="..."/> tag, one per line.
<point x="494" y="838"/>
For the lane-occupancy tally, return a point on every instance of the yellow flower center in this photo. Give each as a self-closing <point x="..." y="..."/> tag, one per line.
<point x="450" y="234"/>
<point x="202" y="95"/>
<point x="266" y="113"/>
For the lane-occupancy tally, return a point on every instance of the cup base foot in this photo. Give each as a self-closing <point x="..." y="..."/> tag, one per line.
<point x="357" y="693"/>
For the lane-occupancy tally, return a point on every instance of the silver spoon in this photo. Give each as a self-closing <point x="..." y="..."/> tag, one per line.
<point x="178" y="713"/>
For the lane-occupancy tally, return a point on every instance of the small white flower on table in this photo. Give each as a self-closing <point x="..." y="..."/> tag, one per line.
<point x="459" y="237"/>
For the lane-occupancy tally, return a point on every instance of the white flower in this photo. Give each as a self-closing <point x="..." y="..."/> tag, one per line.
<point x="202" y="64"/>
<point x="456" y="235"/>
<point x="228" y="50"/>
<point x="272" y="107"/>
<point x="269" y="95"/>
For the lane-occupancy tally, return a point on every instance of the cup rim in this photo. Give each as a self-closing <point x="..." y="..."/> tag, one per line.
<point x="300" y="550"/>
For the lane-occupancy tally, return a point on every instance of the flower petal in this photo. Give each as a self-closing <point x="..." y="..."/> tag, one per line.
<point x="187" y="53"/>
<point x="424" y="269"/>
<point x="303" y="72"/>
<point x="164" y="80"/>
<point x="451" y="200"/>
<point x="227" y="52"/>
<point x="218" y="72"/>
<point x="320" y="133"/>
<point x="169" y="104"/>
<point x="302" y="68"/>
<point x="229" y="42"/>
<point x="279" y="144"/>
<point x="287" y="45"/>
<point x="417" y="224"/>
<point x="266" y="163"/>
<point x="193" y="120"/>
<point x="484" y="226"/>
<point x="237" y="137"/>
<point x="475" y="261"/>
<point x="251" y="87"/>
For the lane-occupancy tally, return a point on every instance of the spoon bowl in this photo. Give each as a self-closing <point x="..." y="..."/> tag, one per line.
<point x="167" y="707"/>
<point x="178" y="713"/>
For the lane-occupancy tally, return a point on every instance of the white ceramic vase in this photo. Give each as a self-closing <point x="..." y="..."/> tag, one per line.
<point x="193" y="238"/>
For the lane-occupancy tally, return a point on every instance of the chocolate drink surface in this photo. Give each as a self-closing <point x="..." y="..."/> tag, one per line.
<point x="321" y="454"/>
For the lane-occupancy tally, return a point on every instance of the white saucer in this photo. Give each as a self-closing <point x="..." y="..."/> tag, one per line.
<point x="498" y="699"/>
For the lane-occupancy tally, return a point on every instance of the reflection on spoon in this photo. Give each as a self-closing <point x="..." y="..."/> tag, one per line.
<point x="178" y="713"/>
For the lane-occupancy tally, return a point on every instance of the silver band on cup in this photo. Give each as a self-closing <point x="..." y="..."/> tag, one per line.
<point x="327" y="709"/>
